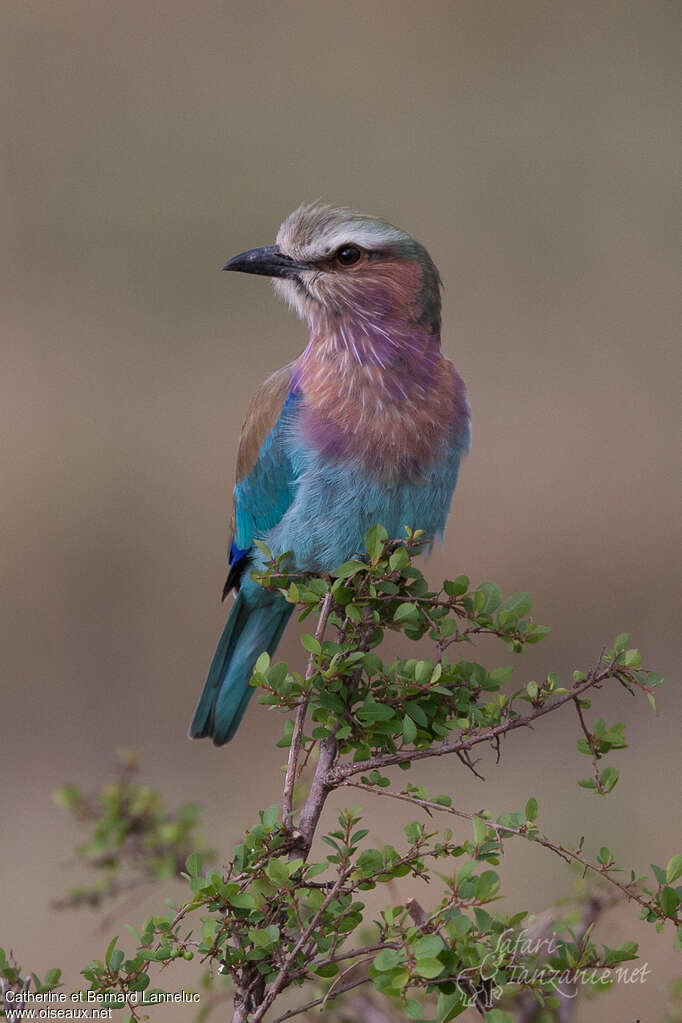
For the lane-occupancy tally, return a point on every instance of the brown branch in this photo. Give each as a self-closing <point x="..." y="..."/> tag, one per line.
<point x="312" y="808"/>
<point x="589" y="738"/>
<point x="282" y="977"/>
<point x="340" y="774"/>
<point x="295" y="747"/>
<point x="354" y="953"/>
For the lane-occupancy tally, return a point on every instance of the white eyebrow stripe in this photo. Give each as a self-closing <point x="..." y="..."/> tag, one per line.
<point x="365" y="236"/>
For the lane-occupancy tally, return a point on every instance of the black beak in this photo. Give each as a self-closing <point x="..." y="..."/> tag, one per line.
<point x="268" y="260"/>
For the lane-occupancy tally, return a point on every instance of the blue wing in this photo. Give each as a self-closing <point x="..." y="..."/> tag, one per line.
<point x="265" y="474"/>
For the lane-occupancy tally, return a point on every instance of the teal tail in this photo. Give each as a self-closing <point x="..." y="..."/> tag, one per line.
<point x="249" y="630"/>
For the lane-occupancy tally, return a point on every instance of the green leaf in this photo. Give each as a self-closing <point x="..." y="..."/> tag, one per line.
<point x="242" y="901"/>
<point x="456" y="587"/>
<point x="277" y="871"/>
<point x="405" y="613"/>
<point x="413" y="1009"/>
<point x="270" y="816"/>
<point x="265" y="551"/>
<point x="429" y="967"/>
<point x="342" y="594"/>
<point x="659" y="873"/>
<point x="536" y="633"/>
<point x="375" y="540"/>
<point x="398" y="560"/>
<point x="409" y="729"/>
<point x="330" y="970"/>
<point x="140" y="983"/>
<point x="460" y="924"/>
<point x="669" y="901"/>
<point x="531" y="809"/>
<point x="348" y="569"/>
<point x="413" y="831"/>
<point x="608" y="778"/>
<point x="117" y="958"/>
<point x="480" y="830"/>
<point x="262" y="664"/>
<point x="427" y="947"/>
<point x="423" y="671"/>
<point x="416" y="713"/>
<point x="311" y="644"/>
<point x="518" y="604"/>
<point x="487" y="883"/>
<point x="621" y="642"/>
<point x="110" y="948"/>
<point x="511" y="820"/>
<point x="194" y="865"/>
<point x="492" y="597"/>
<point x="370" y="861"/>
<point x="372" y="664"/>
<point x="673" y="869"/>
<point x="148" y="954"/>
<point x="628" y="950"/>
<point x="264" y="937"/>
<point x="371" y="711"/>
<point x="387" y="959"/>
<point x="449" y="1006"/>
<point x="285" y="741"/>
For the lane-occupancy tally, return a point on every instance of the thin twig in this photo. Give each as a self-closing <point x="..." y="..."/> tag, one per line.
<point x="340" y="774"/>
<point x="561" y="850"/>
<point x="297" y="735"/>
<point x="282" y="977"/>
<point x="589" y="738"/>
<point x="319" y="1001"/>
<point x="332" y="992"/>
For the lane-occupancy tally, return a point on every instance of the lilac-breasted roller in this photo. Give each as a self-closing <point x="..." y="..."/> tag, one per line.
<point x="368" y="425"/>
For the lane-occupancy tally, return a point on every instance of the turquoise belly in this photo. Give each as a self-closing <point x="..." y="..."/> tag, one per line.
<point x="335" y="505"/>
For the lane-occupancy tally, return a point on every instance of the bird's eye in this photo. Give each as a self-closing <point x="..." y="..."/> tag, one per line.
<point x="347" y="255"/>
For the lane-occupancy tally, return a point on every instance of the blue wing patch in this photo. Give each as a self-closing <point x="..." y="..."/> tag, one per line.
<point x="262" y="496"/>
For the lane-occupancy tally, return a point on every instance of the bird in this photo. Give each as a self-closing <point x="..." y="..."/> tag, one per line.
<point x="367" y="426"/>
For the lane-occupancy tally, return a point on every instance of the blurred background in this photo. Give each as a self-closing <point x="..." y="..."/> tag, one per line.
<point x="532" y="148"/>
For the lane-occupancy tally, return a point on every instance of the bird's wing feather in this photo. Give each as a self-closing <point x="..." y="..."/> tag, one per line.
<point x="265" y="476"/>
